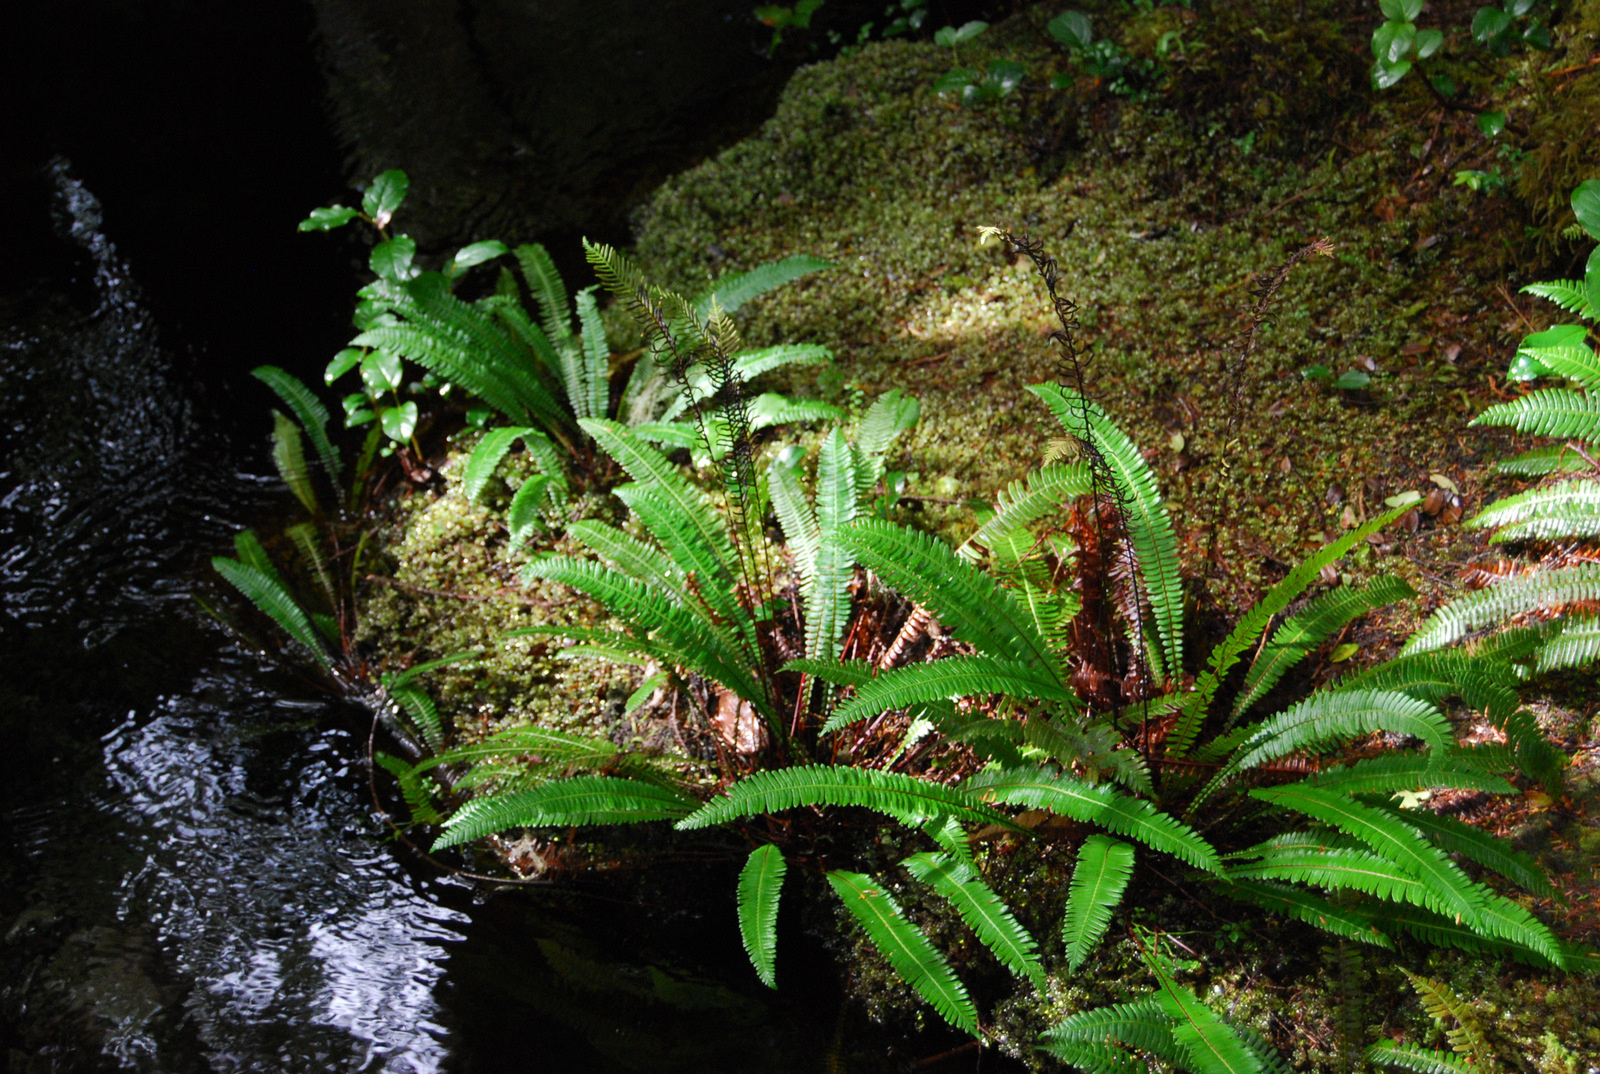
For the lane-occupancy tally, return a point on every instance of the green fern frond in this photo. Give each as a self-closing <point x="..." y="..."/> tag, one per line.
<point x="1227" y="653"/>
<point x="1098" y="880"/>
<point x="1444" y="1007"/>
<point x="734" y="291"/>
<point x="422" y="714"/>
<point x="519" y="743"/>
<point x="547" y="288"/>
<point x="1211" y="1045"/>
<point x="1576" y="643"/>
<point x="985" y="914"/>
<point x="308" y="411"/>
<point x="1456" y="837"/>
<point x="796" y="517"/>
<point x="1029" y="499"/>
<point x="1570" y="295"/>
<point x="1550" y="459"/>
<point x="1093" y="1056"/>
<point x="891" y="414"/>
<point x="840" y="672"/>
<point x="485" y="458"/>
<point x="1319" y="620"/>
<point x="636" y="558"/>
<point x="760" y="884"/>
<point x="905" y="798"/>
<point x="1443" y="881"/>
<point x="1416" y="1058"/>
<point x="906" y="948"/>
<point x="1097" y="804"/>
<point x="288" y="457"/>
<point x="416" y="793"/>
<point x="581" y="800"/>
<point x="1440" y="931"/>
<point x="1338" y="869"/>
<point x="965" y="599"/>
<point x="1549" y="412"/>
<point x="827" y="601"/>
<point x="1569" y="509"/>
<point x="1145" y="519"/>
<point x="267" y="591"/>
<point x="1405" y="771"/>
<point x="1140" y="1024"/>
<point x="1094" y="747"/>
<point x="1311" y="908"/>
<point x="1513" y="596"/>
<point x="594" y="385"/>
<point x="956" y="676"/>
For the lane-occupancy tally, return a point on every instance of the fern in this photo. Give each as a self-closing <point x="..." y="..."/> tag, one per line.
<point x="494" y="446"/>
<point x="1027" y="500"/>
<point x="418" y="798"/>
<point x="1090" y="804"/>
<point x="732" y="292"/>
<point x="906" y="798"/>
<point x="288" y="457"/>
<point x="1559" y="458"/>
<point x="1141" y="1024"/>
<point x="1416" y="1058"/>
<point x="1092" y="1056"/>
<point x="423" y="716"/>
<point x="1456" y="837"/>
<point x="1346" y="921"/>
<point x="1569" y="509"/>
<point x="1144" y="517"/>
<point x="1409" y="772"/>
<point x="1444" y="1007"/>
<point x="1548" y="412"/>
<point x="267" y="591"/>
<point x="308" y="411"/>
<point x="1337" y="868"/>
<point x="983" y="911"/>
<point x="1570" y="295"/>
<point x="578" y="801"/>
<point x="959" y="676"/>
<point x="1514" y="596"/>
<point x="1211" y="1045"/>
<point x="1098" y="880"/>
<point x="1575" y="643"/>
<point x="760" y="883"/>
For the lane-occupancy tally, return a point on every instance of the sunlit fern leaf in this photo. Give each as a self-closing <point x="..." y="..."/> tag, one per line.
<point x="1098" y="880"/>
<point x="955" y="676"/>
<point x="1249" y="628"/>
<point x="1549" y="412"/>
<point x="1029" y="499"/>
<point x="636" y="558"/>
<point x="1518" y="595"/>
<point x="1457" y="837"/>
<point x="526" y="515"/>
<point x="1339" y="869"/>
<point x="891" y="414"/>
<point x="1405" y="771"/>
<point x="990" y="919"/>
<point x="307" y="409"/>
<point x="1570" y="357"/>
<point x="964" y="598"/>
<point x="760" y="883"/>
<point x="269" y="593"/>
<point x="289" y="457"/>
<point x="1570" y="295"/>
<point x="1394" y="840"/>
<point x="547" y="288"/>
<point x="905" y="798"/>
<point x="906" y="948"/>
<point x="796" y="517"/>
<point x="732" y="292"/>
<point x="1569" y="509"/>
<point x="769" y="409"/>
<point x="749" y="365"/>
<point x="418" y="797"/>
<point x="690" y="638"/>
<point x="1145" y="519"/>
<point x="578" y="801"/>
<point x="1415" y="1057"/>
<point x="1554" y="458"/>
<point x="1347" y="921"/>
<point x="1576" y="643"/>
<point x="1045" y="788"/>
<point x="1309" y="628"/>
<point x="1140" y="1024"/>
<point x="1210" y="1044"/>
<point x="841" y="672"/>
<point x="1093" y="1056"/>
<point x="1333" y="717"/>
<point x="594" y="394"/>
<point x="422" y="714"/>
<point x="827" y="603"/>
<point x="948" y="833"/>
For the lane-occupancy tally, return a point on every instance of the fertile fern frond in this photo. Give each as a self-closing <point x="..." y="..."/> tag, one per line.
<point x="760" y="884"/>
<point x="1098" y="880"/>
<point x="1443" y="881"/>
<point x="1334" y="717"/>
<point x="906" y="948"/>
<point x="1140" y="1024"/>
<point x="1144" y="519"/>
<point x="1317" y="622"/>
<point x="1086" y="803"/>
<point x="578" y="801"/>
<point x="1197" y="704"/>
<point x="1456" y="837"/>
<point x="1570" y="295"/>
<point x="956" y="676"/>
<point x="1569" y="509"/>
<point x="1029" y="499"/>
<point x="964" y="598"/>
<point x="985" y="914"/>
<point x="1311" y="908"/>
<point x="734" y="291"/>
<point x="1549" y="412"/>
<point x="1415" y="1057"/>
<point x="1211" y="1045"/>
<point x="1518" y="595"/>
<point x="905" y="798"/>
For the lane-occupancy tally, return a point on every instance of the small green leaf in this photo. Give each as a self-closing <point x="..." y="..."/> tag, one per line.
<point x="1071" y="28"/>
<point x="1352" y="380"/>
<point x="391" y="260"/>
<point x="1401" y="10"/>
<point x="1445" y="85"/>
<point x="399" y="422"/>
<point x="1343" y="652"/>
<point x="1005" y="75"/>
<point x="955" y="80"/>
<point x="1386" y="74"/>
<point x="1526" y="367"/>
<point x="1492" y="123"/>
<point x="327" y="219"/>
<point x="1488" y="24"/>
<point x="384" y="196"/>
<point x="1428" y="42"/>
<point x="952" y="36"/>
<point x="1537" y="37"/>
<point x="341" y="364"/>
<point x="1586" y="207"/>
<point x="1403" y="499"/>
<point x="381" y="371"/>
<point x="475" y="254"/>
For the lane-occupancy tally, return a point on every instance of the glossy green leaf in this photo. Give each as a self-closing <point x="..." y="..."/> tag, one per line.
<point x="475" y="254"/>
<point x="391" y="259"/>
<point x="384" y="196"/>
<point x="1072" y="29"/>
<point x="1586" y="207"/>
<point x="341" y="364"/>
<point x="399" y="422"/>
<point x="1098" y="880"/>
<point x="952" y="36"/>
<point x="326" y="219"/>
<point x="382" y="371"/>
